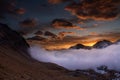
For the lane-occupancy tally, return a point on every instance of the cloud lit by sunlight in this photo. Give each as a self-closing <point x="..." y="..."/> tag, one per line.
<point x="80" y="58"/>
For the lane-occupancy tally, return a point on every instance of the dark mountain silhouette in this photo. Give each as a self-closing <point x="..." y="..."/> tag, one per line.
<point x="80" y="46"/>
<point x="102" y="44"/>
<point x="98" y="45"/>
<point x="11" y="39"/>
<point x="38" y="38"/>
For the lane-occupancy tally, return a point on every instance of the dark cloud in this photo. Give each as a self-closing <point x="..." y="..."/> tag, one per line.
<point x="95" y="9"/>
<point x="37" y="38"/>
<point x="10" y="7"/>
<point x="62" y="23"/>
<point x="20" y="11"/>
<point x="50" y="34"/>
<point x="39" y="33"/>
<point x="22" y="32"/>
<point x="29" y="23"/>
<point x="58" y="1"/>
<point x="6" y="6"/>
<point x="26" y="31"/>
<point x="61" y="35"/>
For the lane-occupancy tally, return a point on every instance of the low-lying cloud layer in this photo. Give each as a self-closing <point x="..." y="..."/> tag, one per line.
<point x="80" y="59"/>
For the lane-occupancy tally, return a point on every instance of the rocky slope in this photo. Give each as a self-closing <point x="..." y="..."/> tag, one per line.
<point x="102" y="44"/>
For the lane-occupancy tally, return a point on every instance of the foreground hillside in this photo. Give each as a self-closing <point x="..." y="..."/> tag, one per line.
<point x="16" y="63"/>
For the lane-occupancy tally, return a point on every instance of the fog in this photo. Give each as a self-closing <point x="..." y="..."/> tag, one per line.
<point x="80" y="58"/>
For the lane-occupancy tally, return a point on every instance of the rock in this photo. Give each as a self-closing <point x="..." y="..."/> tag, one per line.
<point x="102" y="44"/>
<point x="12" y="39"/>
<point x="80" y="46"/>
<point x="38" y="38"/>
<point x="39" y="33"/>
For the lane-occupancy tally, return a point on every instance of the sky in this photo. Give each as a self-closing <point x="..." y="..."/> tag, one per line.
<point x="63" y="22"/>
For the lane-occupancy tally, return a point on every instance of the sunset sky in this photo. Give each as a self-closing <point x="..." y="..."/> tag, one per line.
<point x="69" y="21"/>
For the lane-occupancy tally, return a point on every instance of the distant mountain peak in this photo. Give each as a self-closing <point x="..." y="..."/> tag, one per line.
<point x="98" y="45"/>
<point x="80" y="46"/>
<point x="102" y="44"/>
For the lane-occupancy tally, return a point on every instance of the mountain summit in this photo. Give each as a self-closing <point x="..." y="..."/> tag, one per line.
<point x="102" y="44"/>
<point x="98" y="45"/>
<point x="80" y="46"/>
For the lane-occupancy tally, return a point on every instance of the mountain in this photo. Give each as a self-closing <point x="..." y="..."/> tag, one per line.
<point x="11" y="39"/>
<point x="102" y="44"/>
<point x="80" y="46"/>
<point x="37" y="38"/>
<point x="98" y="45"/>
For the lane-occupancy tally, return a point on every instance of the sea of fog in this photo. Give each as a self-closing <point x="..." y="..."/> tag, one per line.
<point x="80" y="58"/>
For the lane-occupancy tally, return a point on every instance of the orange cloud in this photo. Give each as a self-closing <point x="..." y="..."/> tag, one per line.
<point x="61" y="35"/>
<point x="20" y="11"/>
<point x="29" y="23"/>
<point x="62" y="23"/>
<point x="57" y="1"/>
<point x="95" y="9"/>
<point x="93" y="33"/>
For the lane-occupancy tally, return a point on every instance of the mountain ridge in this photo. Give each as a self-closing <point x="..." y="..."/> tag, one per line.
<point x="98" y="45"/>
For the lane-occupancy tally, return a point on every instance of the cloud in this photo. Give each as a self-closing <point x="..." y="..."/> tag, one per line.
<point x="10" y="7"/>
<point x="58" y="1"/>
<point x="81" y="58"/>
<point x="95" y="9"/>
<point x="50" y="34"/>
<point x="109" y="35"/>
<point x="67" y="41"/>
<point x="37" y="38"/>
<point x="6" y="6"/>
<point x="20" y="11"/>
<point x="62" y="23"/>
<point x="39" y="33"/>
<point x="29" y="23"/>
<point x="61" y="35"/>
<point x="22" y="32"/>
<point x="94" y="33"/>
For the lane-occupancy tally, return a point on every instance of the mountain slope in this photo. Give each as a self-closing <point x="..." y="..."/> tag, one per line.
<point x="102" y="44"/>
<point x="80" y="46"/>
